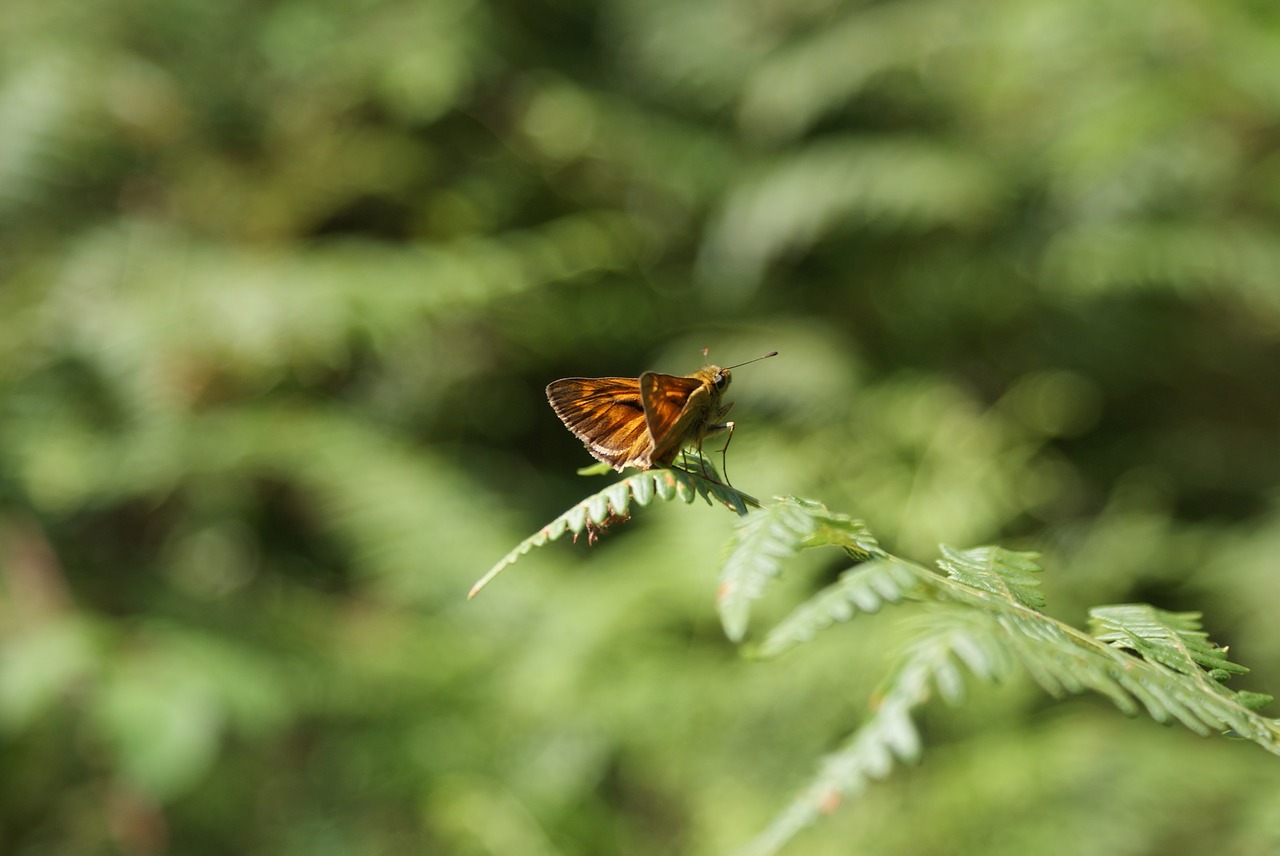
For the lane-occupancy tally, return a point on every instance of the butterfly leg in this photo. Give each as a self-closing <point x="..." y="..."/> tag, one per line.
<point x="724" y="453"/>
<point x="702" y="463"/>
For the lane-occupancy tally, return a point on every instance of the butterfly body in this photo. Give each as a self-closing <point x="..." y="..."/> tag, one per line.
<point x="642" y="422"/>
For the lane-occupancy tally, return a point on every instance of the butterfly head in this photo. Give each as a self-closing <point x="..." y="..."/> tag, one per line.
<point x="718" y="378"/>
<point x="714" y="377"/>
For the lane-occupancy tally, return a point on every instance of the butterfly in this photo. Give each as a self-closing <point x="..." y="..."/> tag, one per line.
<point x="644" y="422"/>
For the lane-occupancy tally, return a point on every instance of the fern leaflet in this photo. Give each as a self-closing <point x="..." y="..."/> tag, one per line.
<point x="865" y="588"/>
<point x="996" y="570"/>
<point x="612" y="505"/>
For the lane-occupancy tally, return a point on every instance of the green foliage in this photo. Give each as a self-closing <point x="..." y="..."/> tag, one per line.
<point x="986" y="619"/>
<point x="282" y="284"/>
<point x="1174" y="639"/>
<point x="763" y="543"/>
<point x="613" y="505"/>
<point x="767" y="538"/>
<point x="1003" y="572"/>
<point x="865" y="588"/>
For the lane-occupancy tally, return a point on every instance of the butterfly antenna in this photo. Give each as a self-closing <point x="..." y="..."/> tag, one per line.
<point x="756" y="360"/>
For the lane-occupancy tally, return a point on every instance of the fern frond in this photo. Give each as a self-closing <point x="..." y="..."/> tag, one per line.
<point x="837" y="530"/>
<point x="707" y="481"/>
<point x="865" y="589"/>
<point x="1189" y="256"/>
<point x="1172" y="638"/>
<point x="767" y="537"/>
<point x="764" y="539"/>
<point x="988" y="643"/>
<point x="986" y="618"/>
<point x="1048" y="651"/>
<point x="890" y="733"/>
<point x="990" y="577"/>
<point x="1062" y="658"/>
<point x="836" y="61"/>
<point x="996" y="570"/>
<point x="900" y="183"/>
<point x="606" y="507"/>
<point x="868" y="756"/>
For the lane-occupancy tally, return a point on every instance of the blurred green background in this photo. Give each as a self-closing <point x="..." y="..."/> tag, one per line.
<point x="281" y="283"/>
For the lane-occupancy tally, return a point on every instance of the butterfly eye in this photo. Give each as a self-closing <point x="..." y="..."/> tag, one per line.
<point x="721" y="379"/>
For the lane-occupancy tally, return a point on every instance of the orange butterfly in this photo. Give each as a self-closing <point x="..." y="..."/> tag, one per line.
<point x="643" y="422"/>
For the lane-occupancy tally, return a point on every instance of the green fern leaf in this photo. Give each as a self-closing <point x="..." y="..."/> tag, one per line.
<point x="864" y="589"/>
<point x="890" y="733"/>
<point x="1172" y="638"/>
<point x="1061" y="659"/>
<point x="868" y="756"/>
<point x="967" y="638"/>
<point x="1055" y="660"/>
<point x="599" y="510"/>
<point x="765" y="538"/>
<point x="607" y="506"/>
<point x="776" y="532"/>
<point x="901" y="182"/>
<point x="838" y="530"/>
<point x="994" y="569"/>
<point x="1254" y="701"/>
<point x="706" y="481"/>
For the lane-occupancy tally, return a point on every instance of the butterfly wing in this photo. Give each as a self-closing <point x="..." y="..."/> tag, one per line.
<point x="675" y="409"/>
<point x="608" y="415"/>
